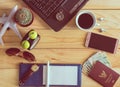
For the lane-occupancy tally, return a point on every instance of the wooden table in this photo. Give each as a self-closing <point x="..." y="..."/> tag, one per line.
<point x="65" y="46"/>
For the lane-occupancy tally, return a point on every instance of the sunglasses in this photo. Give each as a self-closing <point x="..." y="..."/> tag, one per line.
<point x="24" y="54"/>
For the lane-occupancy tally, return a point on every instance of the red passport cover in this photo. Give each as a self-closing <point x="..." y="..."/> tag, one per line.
<point x="103" y="74"/>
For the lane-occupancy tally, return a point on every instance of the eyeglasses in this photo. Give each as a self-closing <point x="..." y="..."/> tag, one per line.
<point x="17" y="52"/>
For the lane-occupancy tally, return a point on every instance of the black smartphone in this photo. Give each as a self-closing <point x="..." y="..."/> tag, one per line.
<point x="101" y="42"/>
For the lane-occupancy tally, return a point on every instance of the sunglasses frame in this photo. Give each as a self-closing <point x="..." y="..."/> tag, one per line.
<point x="24" y="54"/>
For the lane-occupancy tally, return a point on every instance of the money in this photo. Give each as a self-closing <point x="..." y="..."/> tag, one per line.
<point x="99" y="56"/>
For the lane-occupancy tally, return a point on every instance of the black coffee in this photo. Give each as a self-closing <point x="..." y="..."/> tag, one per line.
<point x="85" y="21"/>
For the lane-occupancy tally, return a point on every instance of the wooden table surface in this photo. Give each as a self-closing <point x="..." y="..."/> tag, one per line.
<point x="65" y="46"/>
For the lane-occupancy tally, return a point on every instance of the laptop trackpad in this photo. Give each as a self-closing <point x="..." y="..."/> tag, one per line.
<point x="72" y="5"/>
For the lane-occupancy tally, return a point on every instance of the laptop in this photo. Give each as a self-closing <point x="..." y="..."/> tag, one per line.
<point x="56" y="13"/>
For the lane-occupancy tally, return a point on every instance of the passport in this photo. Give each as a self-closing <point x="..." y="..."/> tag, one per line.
<point x="103" y="74"/>
<point x="99" y="56"/>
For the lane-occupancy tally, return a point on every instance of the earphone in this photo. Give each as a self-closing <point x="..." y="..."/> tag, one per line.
<point x="29" y="39"/>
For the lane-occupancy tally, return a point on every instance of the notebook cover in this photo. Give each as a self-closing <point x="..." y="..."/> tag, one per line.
<point x="37" y="78"/>
<point x="103" y="74"/>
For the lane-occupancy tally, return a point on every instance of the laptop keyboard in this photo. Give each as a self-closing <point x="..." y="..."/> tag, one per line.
<point x="44" y="7"/>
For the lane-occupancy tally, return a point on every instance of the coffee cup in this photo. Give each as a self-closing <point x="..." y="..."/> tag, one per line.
<point x="86" y="20"/>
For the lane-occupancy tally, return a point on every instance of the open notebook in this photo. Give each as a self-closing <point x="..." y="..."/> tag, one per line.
<point x="60" y="75"/>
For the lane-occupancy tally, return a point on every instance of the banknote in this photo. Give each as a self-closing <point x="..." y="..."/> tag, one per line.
<point x="99" y="56"/>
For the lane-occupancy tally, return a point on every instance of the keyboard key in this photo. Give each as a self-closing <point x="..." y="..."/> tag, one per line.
<point x="44" y="7"/>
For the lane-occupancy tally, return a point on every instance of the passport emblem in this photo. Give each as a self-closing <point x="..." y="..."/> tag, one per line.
<point x="103" y="74"/>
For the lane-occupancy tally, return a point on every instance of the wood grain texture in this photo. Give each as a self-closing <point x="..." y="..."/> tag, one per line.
<point x="73" y="38"/>
<point x="65" y="46"/>
<point x="103" y="4"/>
<point x="75" y="56"/>
<point x="92" y="4"/>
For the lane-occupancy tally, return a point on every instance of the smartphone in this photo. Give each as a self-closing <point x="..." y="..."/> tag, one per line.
<point x="101" y="42"/>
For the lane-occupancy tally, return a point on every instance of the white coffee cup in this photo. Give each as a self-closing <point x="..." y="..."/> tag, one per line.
<point x="86" y="20"/>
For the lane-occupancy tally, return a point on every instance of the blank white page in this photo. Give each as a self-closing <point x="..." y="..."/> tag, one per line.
<point x="61" y="75"/>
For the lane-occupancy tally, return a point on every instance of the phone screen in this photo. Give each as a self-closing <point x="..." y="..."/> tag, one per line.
<point x="101" y="42"/>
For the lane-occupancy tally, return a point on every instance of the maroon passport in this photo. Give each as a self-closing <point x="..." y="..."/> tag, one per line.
<point x="103" y="74"/>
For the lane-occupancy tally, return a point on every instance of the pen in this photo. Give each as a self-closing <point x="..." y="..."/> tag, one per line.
<point x="48" y="74"/>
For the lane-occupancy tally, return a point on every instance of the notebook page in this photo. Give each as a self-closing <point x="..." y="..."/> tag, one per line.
<point x="61" y="75"/>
